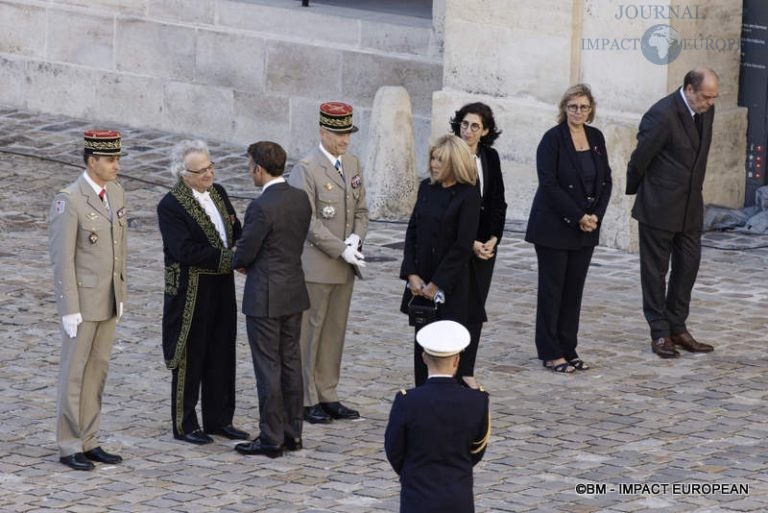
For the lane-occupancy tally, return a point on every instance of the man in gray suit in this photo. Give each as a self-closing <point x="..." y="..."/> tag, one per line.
<point x="666" y="172"/>
<point x="333" y="181"/>
<point x="269" y="249"/>
<point x="87" y="243"/>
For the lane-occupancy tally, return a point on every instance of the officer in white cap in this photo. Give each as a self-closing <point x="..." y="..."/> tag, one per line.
<point x="438" y="431"/>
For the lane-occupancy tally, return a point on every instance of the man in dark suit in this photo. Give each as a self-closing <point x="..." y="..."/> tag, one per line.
<point x="438" y="431"/>
<point x="666" y="172"/>
<point x="275" y="295"/>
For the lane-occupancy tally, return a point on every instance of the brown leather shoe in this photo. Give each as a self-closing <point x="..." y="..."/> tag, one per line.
<point x="687" y="342"/>
<point x="664" y="347"/>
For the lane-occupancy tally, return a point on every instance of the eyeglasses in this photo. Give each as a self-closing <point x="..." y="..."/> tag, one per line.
<point x="573" y="108"/>
<point x="206" y="169"/>
<point x="466" y="125"/>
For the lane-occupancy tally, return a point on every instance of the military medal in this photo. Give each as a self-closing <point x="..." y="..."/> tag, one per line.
<point x="121" y="213"/>
<point x="356" y="181"/>
<point x="329" y="186"/>
<point x="93" y="237"/>
<point x="92" y="215"/>
<point x="60" y="206"/>
<point x="328" y="211"/>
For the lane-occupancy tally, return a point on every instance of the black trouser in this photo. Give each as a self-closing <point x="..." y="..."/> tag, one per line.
<point x="666" y="307"/>
<point x="209" y="360"/>
<point x="562" y="273"/>
<point x="483" y="270"/>
<point x="276" y="356"/>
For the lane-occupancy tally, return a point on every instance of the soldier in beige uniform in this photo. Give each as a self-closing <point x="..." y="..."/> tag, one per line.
<point x="331" y="258"/>
<point x="87" y="243"/>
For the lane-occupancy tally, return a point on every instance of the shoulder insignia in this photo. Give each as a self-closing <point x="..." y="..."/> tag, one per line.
<point x="63" y="191"/>
<point x="482" y="389"/>
<point x="60" y="206"/>
<point x="402" y="391"/>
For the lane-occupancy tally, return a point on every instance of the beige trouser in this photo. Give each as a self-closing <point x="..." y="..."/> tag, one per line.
<point x="323" y="327"/>
<point x="82" y="374"/>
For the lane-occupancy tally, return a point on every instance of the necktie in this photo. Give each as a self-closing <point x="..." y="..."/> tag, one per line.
<point x="102" y="193"/>
<point x="337" y="165"/>
<point x="699" y="123"/>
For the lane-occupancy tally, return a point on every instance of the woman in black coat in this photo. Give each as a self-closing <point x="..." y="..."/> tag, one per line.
<point x="564" y="224"/>
<point x="475" y="124"/>
<point x="439" y="238"/>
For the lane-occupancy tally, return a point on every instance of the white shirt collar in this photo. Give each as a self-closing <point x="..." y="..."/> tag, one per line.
<point x="96" y="187"/>
<point x="200" y="195"/>
<point x="440" y="376"/>
<point x="685" y="100"/>
<point x="330" y="157"/>
<point x="275" y="180"/>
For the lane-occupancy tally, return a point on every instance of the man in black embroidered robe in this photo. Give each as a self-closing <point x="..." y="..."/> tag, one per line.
<point x="199" y="228"/>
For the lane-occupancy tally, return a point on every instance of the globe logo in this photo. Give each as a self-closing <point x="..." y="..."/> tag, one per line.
<point x="661" y="44"/>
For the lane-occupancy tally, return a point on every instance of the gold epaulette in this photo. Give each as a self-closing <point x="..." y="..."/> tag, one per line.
<point x="402" y="391"/>
<point x="479" y="445"/>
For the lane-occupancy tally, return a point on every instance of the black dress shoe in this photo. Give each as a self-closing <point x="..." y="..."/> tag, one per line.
<point x="292" y="444"/>
<point x="195" y="437"/>
<point x="256" y="447"/>
<point x="230" y="432"/>
<point x="77" y="461"/>
<point x="339" y="411"/>
<point x="316" y="415"/>
<point x="102" y="456"/>
<point x="664" y="347"/>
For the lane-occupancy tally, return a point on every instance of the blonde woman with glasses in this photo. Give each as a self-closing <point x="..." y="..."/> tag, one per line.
<point x="564" y="224"/>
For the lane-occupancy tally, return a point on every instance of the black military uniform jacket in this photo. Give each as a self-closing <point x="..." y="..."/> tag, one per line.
<point x="192" y="247"/>
<point x="436" y="433"/>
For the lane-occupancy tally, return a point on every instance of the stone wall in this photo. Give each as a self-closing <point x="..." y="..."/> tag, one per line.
<point x="520" y="56"/>
<point x="228" y="70"/>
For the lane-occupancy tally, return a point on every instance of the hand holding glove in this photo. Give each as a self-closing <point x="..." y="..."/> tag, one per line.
<point x="352" y="256"/>
<point x="70" y="323"/>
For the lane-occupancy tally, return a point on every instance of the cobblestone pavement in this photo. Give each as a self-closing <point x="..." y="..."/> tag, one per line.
<point x="633" y="418"/>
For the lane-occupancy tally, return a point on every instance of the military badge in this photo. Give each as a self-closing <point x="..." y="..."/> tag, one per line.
<point x="328" y="211"/>
<point x="93" y="237"/>
<point x="91" y="215"/>
<point x="329" y="186"/>
<point x="121" y="213"/>
<point x="60" y="206"/>
<point x="356" y="181"/>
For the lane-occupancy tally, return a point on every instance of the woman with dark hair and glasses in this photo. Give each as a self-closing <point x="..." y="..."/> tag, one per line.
<point x="475" y="124"/>
<point x="564" y="224"/>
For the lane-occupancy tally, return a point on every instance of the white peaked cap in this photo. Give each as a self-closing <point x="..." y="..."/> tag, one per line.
<point x="443" y="338"/>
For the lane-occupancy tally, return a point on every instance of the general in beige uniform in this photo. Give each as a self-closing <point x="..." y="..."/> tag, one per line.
<point x="334" y="184"/>
<point x="87" y="243"/>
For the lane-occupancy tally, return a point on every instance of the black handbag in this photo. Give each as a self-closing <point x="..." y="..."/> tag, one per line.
<point x="422" y="311"/>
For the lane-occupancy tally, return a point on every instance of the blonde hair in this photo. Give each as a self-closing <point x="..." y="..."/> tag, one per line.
<point x="454" y="152"/>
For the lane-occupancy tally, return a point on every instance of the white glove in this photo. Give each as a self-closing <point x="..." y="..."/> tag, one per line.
<point x="353" y="240"/>
<point x="70" y="323"/>
<point x="119" y="310"/>
<point x="353" y="256"/>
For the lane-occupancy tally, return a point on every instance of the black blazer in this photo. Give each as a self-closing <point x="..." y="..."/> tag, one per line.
<point x="493" y="206"/>
<point x="667" y="168"/>
<point x="438" y="247"/>
<point x="276" y="225"/>
<point x="561" y="199"/>
<point x="436" y="433"/>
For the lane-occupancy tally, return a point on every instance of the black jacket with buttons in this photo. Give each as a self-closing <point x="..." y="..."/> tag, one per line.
<point x="561" y="199"/>
<point x="438" y="248"/>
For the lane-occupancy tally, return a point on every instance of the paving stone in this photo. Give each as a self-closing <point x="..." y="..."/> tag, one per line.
<point x="632" y="418"/>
